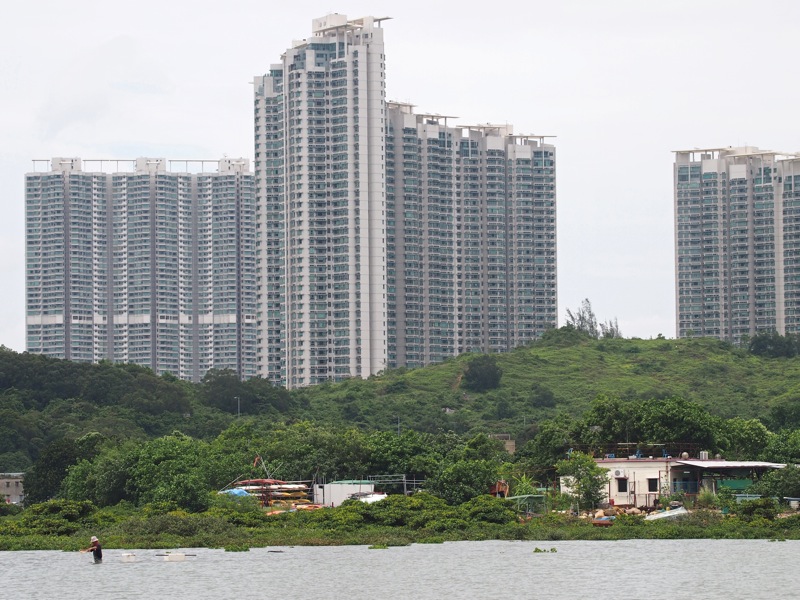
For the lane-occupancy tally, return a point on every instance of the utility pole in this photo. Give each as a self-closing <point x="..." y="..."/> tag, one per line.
<point x="238" y="408"/>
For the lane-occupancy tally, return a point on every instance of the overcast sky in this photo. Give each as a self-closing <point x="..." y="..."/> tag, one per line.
<point x="621" y="85"/>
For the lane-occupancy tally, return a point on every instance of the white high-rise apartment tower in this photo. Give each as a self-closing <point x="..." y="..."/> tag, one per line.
<point x="370" y="237"/>
<point x="389" y="238"/>
<point x="471" y="237"/>
<point x="147" y="265"/>
<point x="737" y="242"/>
<point x="320" y="128"/>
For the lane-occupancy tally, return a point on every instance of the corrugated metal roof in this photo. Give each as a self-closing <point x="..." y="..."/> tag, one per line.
<point x="730" y="464"/>
<point x="353" y="482"/>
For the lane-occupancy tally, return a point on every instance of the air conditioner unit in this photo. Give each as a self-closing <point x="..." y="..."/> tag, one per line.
<point x="620" y="473"/>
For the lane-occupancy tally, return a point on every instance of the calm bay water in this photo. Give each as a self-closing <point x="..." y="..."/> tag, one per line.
<point x="634" y="569"/>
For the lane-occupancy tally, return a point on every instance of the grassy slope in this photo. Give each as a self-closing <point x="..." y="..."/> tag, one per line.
<point x="727" y="381"/>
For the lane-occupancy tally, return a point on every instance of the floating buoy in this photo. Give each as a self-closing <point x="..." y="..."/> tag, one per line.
<point x="175" y="556"/>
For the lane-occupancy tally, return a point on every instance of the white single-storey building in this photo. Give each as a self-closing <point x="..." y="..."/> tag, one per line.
<point x="336" y="492"/>
<point x="639" y="481"/>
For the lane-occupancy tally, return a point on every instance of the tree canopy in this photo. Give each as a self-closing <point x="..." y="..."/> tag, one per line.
<point x="567" y="390"/>
<point x="482" y="373"/>
<point x="585" y="479"/>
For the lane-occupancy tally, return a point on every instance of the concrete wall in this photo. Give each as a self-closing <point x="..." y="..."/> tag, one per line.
<point x="11" y="488"/>
<point x="333" y="494"/>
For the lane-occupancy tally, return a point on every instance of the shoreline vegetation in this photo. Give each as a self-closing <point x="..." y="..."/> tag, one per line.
<point x="136" y="459"/>
<point x="236" y="525"/>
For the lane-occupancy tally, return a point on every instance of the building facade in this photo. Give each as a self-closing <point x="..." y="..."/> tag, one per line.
<point x="471" y="237"/>
<point x="321" y="182"/>
<point x="389" y="238"/>
<point x="147" y="266"/>
<point x="11" y="488"/>
<point x="737" y="242"/>
<point x="642" y="481"/>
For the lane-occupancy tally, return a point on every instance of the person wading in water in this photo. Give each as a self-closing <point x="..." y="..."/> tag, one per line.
<point x="96" y="549"/>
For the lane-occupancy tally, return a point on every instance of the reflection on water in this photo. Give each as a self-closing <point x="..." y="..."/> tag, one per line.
<point x="631" y="570"/>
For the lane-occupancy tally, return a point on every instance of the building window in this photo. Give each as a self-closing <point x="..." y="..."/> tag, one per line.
<point x="622" y="485"/>
<point x="652" y="485"/>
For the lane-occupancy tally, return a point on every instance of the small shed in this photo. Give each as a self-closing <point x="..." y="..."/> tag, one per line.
<point x="530" y="504"/>
<point x="336" y="492"/>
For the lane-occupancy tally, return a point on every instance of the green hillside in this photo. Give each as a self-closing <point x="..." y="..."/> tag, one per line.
<point x="564" y="374"/>
<point x="43" y="400"/>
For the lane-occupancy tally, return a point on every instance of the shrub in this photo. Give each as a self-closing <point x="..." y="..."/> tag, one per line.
<point x="46" y="525"/>
<point x="54" y="517"/>
<point x="111" y="515"/>
<point x="350" y="516"/>
<point x="488" y="509"/>
<point x="9" y="509"/>
<point x="65" y="509"/>
<point x="482" y="374"/>
<point x="158" y="508"/>
<point x="177" y="523"/>
<point x="447" y="524"/>
<point x="541" y="396"/>
<point x="763" y="508"/>
<point x="396" y="387"/>
<point x="240" y="511"/>
<point x="702" y="518"/>
<point x="726" y="499"/>
<point x="629" y="520"/>
<point x="706" y="499"/>
<point x="791" y="522"/>
<point x="398" y="510"/>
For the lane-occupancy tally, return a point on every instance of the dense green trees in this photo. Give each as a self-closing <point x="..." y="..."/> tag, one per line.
<point x="43" y="480"/>
<point x="482" y="373"/>
<point x="568" y="390"/>
<point x="651" y="424"/>
<point x="677" y="420"/>
<point x="611" y="420"/>
<point x="585" y="479"/>
<point x="467" y="469"/>
<point x="120" y="436"/>
<point x="743" y="439"/>
<point x="550" y="444"/>
<point x="43" y="400"/>
<point x="415" y="454"/>
<point x="774" y="345"/>
<point x="781" y="483"/>
<point x="179" y="470"/>
<point x="461" y="480"/>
